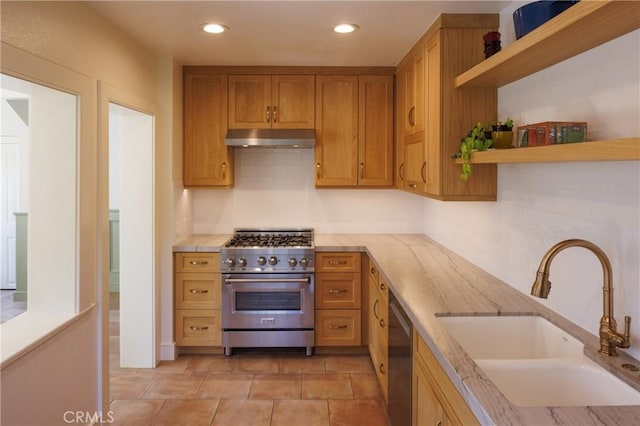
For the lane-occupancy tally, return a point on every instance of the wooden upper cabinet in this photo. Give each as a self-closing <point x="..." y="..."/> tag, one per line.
<point x="336" y="150"/>
<point x="414" y="90"/>
<point x="207" y="160"/>
<point x="375" y="137"/>
<point x="265" y="102"/>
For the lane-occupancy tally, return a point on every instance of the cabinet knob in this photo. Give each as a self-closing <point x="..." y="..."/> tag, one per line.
<point x="382" y="369"/>
<point x="382" y="322"/>
<point x="383" y="287"/>
<point x="373" y="270"/>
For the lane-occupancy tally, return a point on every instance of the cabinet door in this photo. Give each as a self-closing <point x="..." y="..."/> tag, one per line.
<point x="375" y="136"/>
<point x="432" y="134"/>
<point x="207" y="160"/>
<point x="250" y="105"/>
<point x="427" y="410"/>
<point x="336" y="151"/>
<point x="414" y="87"/>
<point x="293" y="102"/>
<point x="399" y="124"/>
<point x="415" y="163"/>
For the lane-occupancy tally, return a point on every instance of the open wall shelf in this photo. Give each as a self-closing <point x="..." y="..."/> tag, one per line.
<point x="605" y="150"/>
<point x="583" y="26"/>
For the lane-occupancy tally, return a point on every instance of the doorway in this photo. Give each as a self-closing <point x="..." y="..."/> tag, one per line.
<point x="131" y="237"/>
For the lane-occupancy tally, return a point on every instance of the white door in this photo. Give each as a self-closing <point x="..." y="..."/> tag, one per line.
<point x="10" y="173"/>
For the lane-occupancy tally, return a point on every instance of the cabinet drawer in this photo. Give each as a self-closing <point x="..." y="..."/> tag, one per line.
<point x="198" y="327"/>
<point x="338" y="262"/>
<point x="198" y="291"/>
<point x="197" y="262"/>
<point x="339" y="290"/>
<point x="338" y="327"/>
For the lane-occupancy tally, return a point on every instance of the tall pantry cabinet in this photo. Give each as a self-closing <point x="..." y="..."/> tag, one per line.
<point x="426" y="76"/>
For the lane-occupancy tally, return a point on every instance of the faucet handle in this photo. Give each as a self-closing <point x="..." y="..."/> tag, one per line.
<point x="627" y="327"/>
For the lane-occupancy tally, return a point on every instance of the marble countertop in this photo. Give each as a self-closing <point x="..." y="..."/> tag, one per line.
<point x="429" y="281"/>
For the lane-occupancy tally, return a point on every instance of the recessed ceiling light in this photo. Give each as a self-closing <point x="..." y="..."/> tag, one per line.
<point x="214" y="28"/>
<point x="345" y="28"/>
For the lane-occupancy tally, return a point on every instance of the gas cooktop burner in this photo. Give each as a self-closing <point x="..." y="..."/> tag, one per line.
<point x="258" y="239"/>
<point x="268" y="251"/>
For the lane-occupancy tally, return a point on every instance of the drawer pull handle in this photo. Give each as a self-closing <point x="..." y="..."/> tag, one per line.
<point x="338" y="291"/>
<point x="375" y="305"/>
<point x="382" y="369"/>
<point x="198" y="291"/>
<point x="337" y="262"/>
<point x="383" y="287"/>
<point x="194" y="328"/>
<point x="199" y="262"/>
<point x="382" y="322"/>
<point x="337" y="327"/>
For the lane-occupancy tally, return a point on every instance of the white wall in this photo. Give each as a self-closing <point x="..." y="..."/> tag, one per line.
<point x="115" y="132"/>
<point x="275" y="188"/>
<point x="541" y="204"/>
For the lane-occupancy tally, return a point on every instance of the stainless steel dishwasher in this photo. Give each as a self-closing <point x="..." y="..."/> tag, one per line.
<point x="400" y="343"/>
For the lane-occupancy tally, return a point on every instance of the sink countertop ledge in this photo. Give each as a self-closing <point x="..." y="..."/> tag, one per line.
<point x="430" y="280"/>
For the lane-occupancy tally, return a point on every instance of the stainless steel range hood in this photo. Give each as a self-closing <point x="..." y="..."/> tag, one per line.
<point x="271" y="138"/>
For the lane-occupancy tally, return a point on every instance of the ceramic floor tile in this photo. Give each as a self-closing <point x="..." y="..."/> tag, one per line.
<point x="187" y="412"/>
<point x="348" y="364"/>
<point x="276" y="386"/>
<point x="365" y="386"/>
<point x="326" y="386"/>
<point x="297" y="364"/>
<point x="174" y="386"/>
<point x="300" y="412"/>
<point x="250" y="412"/>
<point x="226" y="386"/>
<point x="211" y="364"/>
<point x="352" y="412"/>
<point x="171" y="367"/>
<point x="134" y="412"/>
<point x="129" y="386"/>
<point x="257" y="363"/>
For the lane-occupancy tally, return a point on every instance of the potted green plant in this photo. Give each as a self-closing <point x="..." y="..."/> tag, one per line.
<point x="502" y="134"/>
<point x="477" y="139"/>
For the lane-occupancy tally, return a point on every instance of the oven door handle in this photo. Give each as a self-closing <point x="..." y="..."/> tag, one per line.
<point x="305" y="280"/>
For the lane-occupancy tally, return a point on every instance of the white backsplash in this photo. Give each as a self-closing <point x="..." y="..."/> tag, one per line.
<point x="275" y="188"/>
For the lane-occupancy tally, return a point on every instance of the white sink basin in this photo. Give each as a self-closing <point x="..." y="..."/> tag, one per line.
<point x="511" y="337"/>
<point x="560" y="382"/>
<point x="536" y="364"/>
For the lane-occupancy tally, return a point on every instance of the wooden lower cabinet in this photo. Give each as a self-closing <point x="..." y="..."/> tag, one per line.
<point x="435" y="400"/>
<point x="338" y="299"/>
<point x="197" y="299"/>
<point x="378" y="306"/>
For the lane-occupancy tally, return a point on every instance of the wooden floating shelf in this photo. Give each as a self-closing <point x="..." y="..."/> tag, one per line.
<point x="605" y="150"/>
<point x="581" y="27"/>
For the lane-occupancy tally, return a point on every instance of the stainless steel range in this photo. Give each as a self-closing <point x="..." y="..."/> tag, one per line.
<point x="268" y="291"/>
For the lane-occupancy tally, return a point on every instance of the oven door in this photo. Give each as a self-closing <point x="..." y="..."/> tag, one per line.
<point x="267" y="302"/>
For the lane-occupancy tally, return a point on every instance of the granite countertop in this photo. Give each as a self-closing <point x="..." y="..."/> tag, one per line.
<point x="429" y="281"/>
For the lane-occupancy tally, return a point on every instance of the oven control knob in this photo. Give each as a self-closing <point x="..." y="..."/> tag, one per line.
<point x="230" y="261"/>
<point x="273" y="260"/>
<point x="262" y="261"/>
<point x="242" y="262"/>
<point x="293" y="262"/>
<point x="304" y="262"/>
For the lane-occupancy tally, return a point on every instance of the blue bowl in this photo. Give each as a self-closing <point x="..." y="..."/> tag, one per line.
<point x="532" y="15"/>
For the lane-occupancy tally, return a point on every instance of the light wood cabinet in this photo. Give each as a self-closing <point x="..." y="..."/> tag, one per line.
<point x="207" y="160"/>
<point x="338" y="299"/>
<point x="378" y="306"/>
<point x="197" y="299"/>
<point x="336" y="150"/>
<point x="354" y="131"/>
<point x="413" y="107"/>
<point x="435" y="399"/>
<point x="265" y="101"/>
<point x="375" y="136"/>
<point x="449" y="47"/>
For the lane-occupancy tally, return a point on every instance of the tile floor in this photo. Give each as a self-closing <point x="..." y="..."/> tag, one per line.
<point x="252" y="387"/>
<point x="9" y="307"/>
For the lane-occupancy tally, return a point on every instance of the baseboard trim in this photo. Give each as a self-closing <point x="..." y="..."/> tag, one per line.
<point x="167" y="352"/>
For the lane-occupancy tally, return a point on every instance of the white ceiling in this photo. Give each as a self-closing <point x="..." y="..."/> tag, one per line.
<point x="282" y="32"/>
